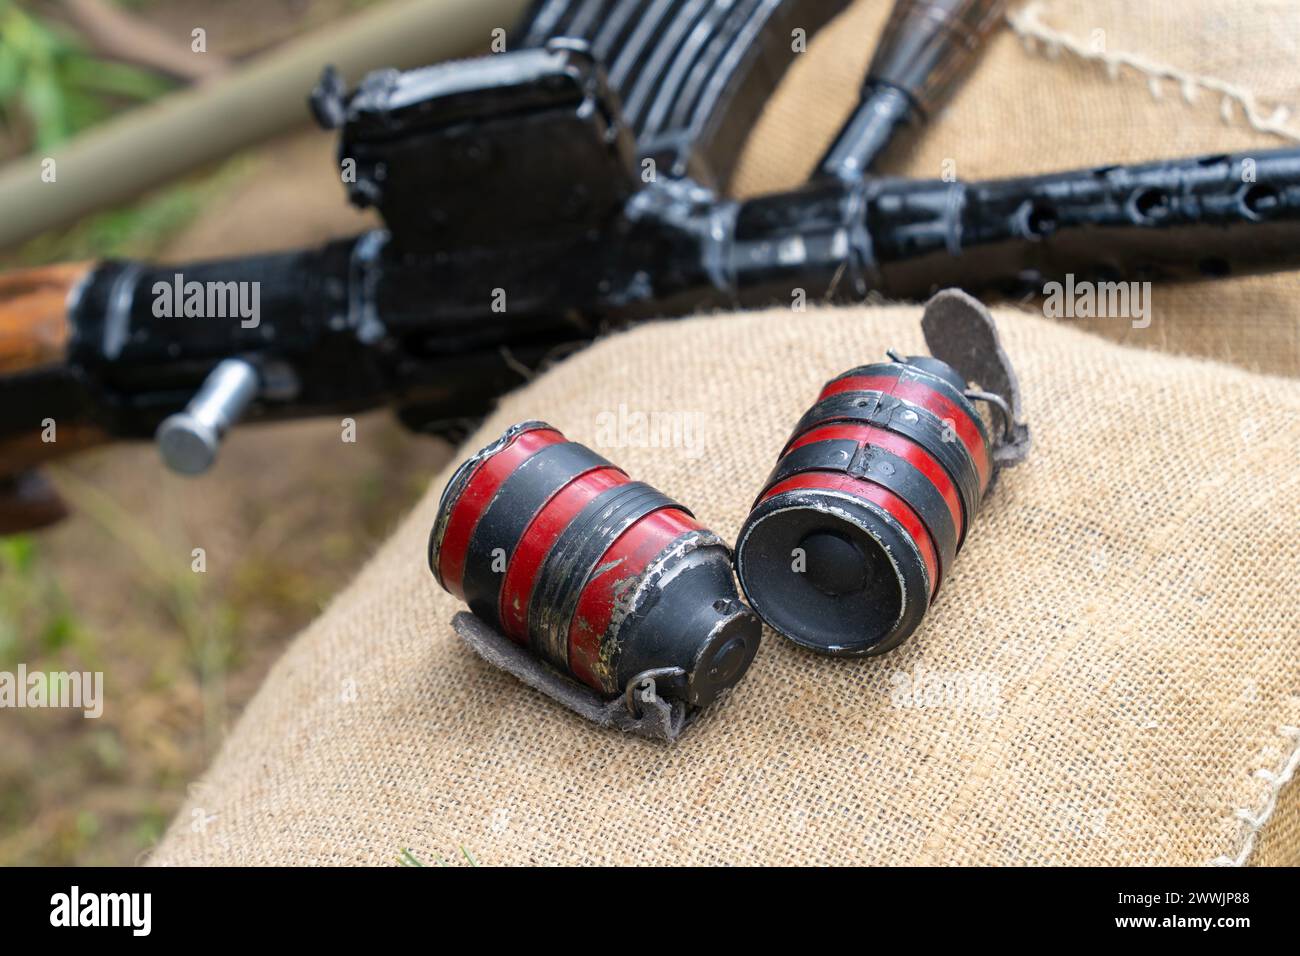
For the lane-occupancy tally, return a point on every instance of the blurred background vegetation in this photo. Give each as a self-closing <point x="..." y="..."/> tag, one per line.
<point x="286" y="517"/>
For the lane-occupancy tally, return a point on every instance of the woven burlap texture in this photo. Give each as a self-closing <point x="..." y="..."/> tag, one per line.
<point x="1278" y="843"/>
<point x="1125" y="603"/>
<point x="1035" y="107"/>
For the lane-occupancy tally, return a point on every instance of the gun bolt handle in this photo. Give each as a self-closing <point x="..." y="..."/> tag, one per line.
<point x="188" y="440"/>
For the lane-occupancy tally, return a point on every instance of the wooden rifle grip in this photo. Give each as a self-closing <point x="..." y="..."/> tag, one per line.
<point x="34" y="327"/>
<point x="34" y="334"/>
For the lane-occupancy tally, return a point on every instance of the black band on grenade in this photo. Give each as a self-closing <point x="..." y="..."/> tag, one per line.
<point x="909" y="483"/>
<point x="460" y="478"/>
<point x="834" y="454"/>
<point x="884" y="468"/>
<point x="907" y="372"/>
<point x="506" y="517"/>
<point x="904" y="418"/>
<point x="575" y="555"/>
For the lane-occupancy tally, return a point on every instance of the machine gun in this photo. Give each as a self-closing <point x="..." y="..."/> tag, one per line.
<point x="535" y="197"/>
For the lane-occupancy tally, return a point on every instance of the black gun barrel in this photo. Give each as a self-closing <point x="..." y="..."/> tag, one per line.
<point x="1183" y="219"/>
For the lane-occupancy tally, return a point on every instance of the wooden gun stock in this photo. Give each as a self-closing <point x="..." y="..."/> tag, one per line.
<point x="34" y="328"/>
<point x="34" y="334"/>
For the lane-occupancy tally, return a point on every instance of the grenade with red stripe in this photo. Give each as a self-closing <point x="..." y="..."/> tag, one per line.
<point x="600" y="576"/>
<point x="858" y="524"/>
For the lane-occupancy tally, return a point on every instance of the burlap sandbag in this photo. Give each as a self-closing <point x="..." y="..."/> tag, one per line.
<point x="1034" y="105"/>
<point x="1112" y="674"/>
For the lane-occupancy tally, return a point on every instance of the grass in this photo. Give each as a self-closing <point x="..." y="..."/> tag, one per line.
<point x="408" y="858"/>
<point x="207" y="627"/>
<point x="34" y="612"/>
<point x="51" y="88"/>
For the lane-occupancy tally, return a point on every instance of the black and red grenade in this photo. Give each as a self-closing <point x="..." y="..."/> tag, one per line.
<point x="603" y="577"/>
<point x="871" y="498"/>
